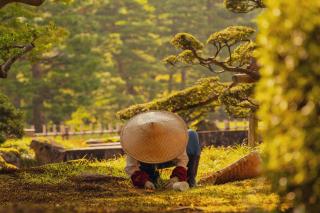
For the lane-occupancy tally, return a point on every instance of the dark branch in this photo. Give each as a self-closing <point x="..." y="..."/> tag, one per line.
<point x="5" y="67"/>
<point x="229" y="51"/>
<point x="243" y="6"/>
<point x="29" y="2"/>
<point x="212" y="60"/>
<point x="7" y="48"/>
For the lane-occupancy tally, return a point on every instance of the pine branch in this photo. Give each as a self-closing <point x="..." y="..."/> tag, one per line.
<point x="5" y="67"/>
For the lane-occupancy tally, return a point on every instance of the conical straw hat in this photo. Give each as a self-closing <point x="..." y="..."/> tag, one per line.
<point x="154" y="137"/>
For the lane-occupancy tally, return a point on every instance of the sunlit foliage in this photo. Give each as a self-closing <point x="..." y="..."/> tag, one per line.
<point x="186" y="41"/>
<point x="231" y="35"/>
<point x="237" y="100"/>
<point x="204" y="92"/>
<point x="289" y="96"/>
<point x="243" y="6"/>
<point x="242" y="54"/>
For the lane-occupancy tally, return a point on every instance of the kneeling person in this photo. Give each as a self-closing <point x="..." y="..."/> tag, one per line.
<point x="159" y="139"/>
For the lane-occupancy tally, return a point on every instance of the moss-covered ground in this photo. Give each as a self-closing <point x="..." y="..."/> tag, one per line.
<point x="51" y="188"/>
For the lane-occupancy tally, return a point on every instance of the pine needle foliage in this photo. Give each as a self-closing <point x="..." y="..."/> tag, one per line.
<point x="205" y="91"/>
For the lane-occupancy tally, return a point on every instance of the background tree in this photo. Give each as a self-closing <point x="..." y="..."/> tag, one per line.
<point x="148" y="75"/>
<point x="288" y="93"/>
<point x="11" y="122"/>
<point x="17" y="36"/>
<point x="23" y="31"/>
<point x="199" y="18"/>
<point x="207" y="93"/>
<point x="18" y="33"/>
<point x="78" y="70"/>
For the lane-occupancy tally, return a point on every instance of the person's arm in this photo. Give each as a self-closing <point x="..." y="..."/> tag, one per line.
<point x="132" y="165"/>
<point x="180" y="172"/>
<point x="138" y="177"/>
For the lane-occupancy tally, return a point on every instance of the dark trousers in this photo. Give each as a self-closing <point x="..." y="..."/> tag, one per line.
<point x="193" y="152"/>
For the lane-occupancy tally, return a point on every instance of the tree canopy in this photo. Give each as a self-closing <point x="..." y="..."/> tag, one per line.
<point x="244" y="6"/>
<point x="232" y="52"/>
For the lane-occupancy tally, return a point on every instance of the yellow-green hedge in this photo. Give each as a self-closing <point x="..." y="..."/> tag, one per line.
<point x="289" y="94"/>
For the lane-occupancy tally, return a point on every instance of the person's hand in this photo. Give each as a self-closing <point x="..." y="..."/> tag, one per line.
<point x="170" y="183"/>
<point x="149" y="185"/>
<point x="181" y="186"/>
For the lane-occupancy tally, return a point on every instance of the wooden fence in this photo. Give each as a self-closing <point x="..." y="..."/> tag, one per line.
<point x="68" y="130"/>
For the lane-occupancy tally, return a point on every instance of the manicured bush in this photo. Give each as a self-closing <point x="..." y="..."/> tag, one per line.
<point x="289" y="96"/>
<point x="11" y="123"/>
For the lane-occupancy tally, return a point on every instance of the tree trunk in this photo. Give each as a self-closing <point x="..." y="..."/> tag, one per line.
<point x="209" y="7"/>
<point x="170" y="82"/>
<point x="183" y="79"/>
<point x="17" y="102"/>
<point x="37" y="100"/>
<point x="253" y="129"/>
<point x="125" y="76"/>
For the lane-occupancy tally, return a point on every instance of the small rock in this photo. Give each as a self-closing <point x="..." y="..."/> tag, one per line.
<point x="47" y="151"/>
<point x="11" y="156"/>
<point x="7" y="167"/>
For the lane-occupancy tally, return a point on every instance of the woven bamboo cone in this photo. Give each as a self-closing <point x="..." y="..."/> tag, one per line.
<point x="247" y="167"/>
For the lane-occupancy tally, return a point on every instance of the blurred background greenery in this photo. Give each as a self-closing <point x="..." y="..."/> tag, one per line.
<point x="93" y="58"/>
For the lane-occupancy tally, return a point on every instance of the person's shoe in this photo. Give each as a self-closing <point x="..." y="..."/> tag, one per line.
<point x="180" y="186"/>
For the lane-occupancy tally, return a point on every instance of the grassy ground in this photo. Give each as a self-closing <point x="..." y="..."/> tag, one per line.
<point x="52" y="188"/>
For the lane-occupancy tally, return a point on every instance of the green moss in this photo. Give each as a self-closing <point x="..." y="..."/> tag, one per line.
<point x="10" y="151"/>
<point x="22" y="145"/>
<point x="6" y="167"/>
<point x="49" y="188"/>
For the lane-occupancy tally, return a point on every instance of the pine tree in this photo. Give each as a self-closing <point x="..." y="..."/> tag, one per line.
<point x="236" y="42"/>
